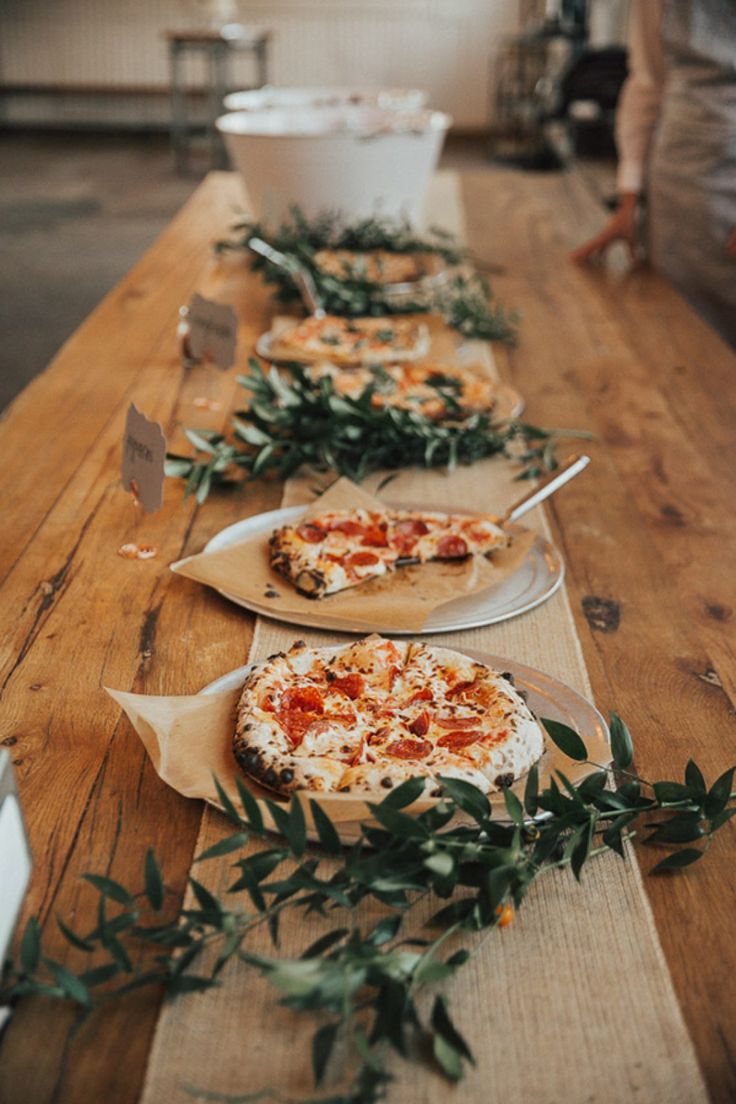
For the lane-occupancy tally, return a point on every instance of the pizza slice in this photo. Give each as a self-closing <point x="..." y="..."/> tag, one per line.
<point x="343" y="548"/>
<point x="379" y="266"/>
<point x="353" y="340"/>
<point x="360" y="718"/>
<point x="436" y="391"/>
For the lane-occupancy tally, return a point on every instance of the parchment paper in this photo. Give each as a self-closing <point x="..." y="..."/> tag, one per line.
<point x="403" y="599"/>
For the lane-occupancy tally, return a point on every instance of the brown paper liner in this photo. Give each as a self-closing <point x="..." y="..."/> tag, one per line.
<point x="403" y="599"/>
<point x="189" y="742"/>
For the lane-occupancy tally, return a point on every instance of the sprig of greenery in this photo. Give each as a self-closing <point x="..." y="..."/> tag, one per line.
<point x="466" y="302"/>
<point x="290" y="423"/>
<point x="364" y="980"/>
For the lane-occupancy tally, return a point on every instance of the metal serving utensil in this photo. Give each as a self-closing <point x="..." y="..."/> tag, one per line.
<point x="551" y="483"/>
<point x="301" y="276"/>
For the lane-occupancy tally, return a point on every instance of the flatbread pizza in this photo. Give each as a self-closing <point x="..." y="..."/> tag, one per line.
<point x="353" y="340"/>
<point x="379" y="266"/>
<point x="436" y="391"/>
<point x="363" y="717"/>
<point x="338" y="549"/>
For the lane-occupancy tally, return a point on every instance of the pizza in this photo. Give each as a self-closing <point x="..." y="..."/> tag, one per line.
<point x="338" y="549"/>
<point x="353" y="340"/>
<point x="436" y="391"/>
<point x="363" y="717"/>
<point x="378" y="266"/>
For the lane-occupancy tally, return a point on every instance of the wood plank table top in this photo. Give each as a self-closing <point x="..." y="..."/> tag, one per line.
<point x="647" y="535"/>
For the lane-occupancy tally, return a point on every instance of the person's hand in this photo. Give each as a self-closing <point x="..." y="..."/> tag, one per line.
<point x="621" y="227"/>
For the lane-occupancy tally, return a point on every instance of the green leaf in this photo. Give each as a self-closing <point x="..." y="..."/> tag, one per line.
<point x="98" y="975"/>
<point x="694" y="777"/>
<point x="224" y="847"/>
<point x="297" y="828"/>
<point x="252" y="812"/>
<point x="30" y="948"/>
<point x="467" y="797"/>
<point x="582" y="848"/>
<point x="514" y="807"/>
<point x="326" y="830"/>
<point x="440" y="863"/>
<point x="73" y="987"/>
<point x="154" y="883"/>
<point x="325" y="942"/>
<point x="73" y="938"/>
<point x="566" y="739"/>
<point x="323" y="1041"/>
<point x="225" y="800"/>
<point x="206" y="901"/>
<point x="677" y="860"/>
<point x="680" y="829"/>
<point x="531" y="791"/>
<point x="405" y="794"/>
<point x="719" y="793"/>
<point x="672" y="791"/>
<point x="721" y="818"/>
<point x="384" y="931"/>
<point x="442" y="1024"/>
<point x="449" y="1060"/>
<point x="622" y="746"/>
<point x="109" y="888"/>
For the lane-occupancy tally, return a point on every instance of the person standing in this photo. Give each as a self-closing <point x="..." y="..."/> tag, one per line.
<point x="676" y="138"/>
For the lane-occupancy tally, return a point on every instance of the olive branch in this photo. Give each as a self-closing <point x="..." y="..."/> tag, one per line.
<point x="366" y="982"/>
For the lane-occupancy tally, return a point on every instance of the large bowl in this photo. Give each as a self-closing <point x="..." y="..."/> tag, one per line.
<point x="360" y="161"/>
<point x="392" y="99"/>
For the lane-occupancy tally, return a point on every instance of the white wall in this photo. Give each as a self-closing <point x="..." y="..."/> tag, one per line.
<point x="447" y="46"/>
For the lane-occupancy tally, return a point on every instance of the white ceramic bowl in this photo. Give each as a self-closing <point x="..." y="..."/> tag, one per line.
<point x="360" y="161"/>
<point x="392" y="99"/>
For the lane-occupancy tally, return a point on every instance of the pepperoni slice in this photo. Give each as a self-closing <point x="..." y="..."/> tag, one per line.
<point x="312" y="534"/>
<point x="375" y="535"/>
<point x="352" y="685"/>
<point x="350" y="528"/>
<point x="409" y="749"/>
<point x="420" y="725"/>
<point x="411" y="527"/>
<point x="461" y="688"/>
<point x="459" y="739"/>
<point x="361" y="559"/>
<point x="425" y="694"/>
<point x="456" y="722"/>
<point x="302" y="699"/>
<point x="451" y="548"/>
<point x="295" y="723"/>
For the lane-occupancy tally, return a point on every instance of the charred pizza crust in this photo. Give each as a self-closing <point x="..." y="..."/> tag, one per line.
<point x="363" y="717"/>
<point x="342" y="548"/>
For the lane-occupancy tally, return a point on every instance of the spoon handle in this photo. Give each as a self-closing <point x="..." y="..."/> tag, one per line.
<point x="571" y="467"/>
<point x="301" y="276"/>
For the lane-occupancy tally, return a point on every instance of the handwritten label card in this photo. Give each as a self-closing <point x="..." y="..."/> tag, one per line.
<point x="213" y="331"/>
<point x="144" y="452"/>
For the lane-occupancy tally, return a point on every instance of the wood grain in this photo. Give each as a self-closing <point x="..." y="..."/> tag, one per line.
<point x="650" y="529"/>
<point x="646" y="535"/>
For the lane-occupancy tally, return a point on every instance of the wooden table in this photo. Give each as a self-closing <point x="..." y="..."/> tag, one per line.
<point x="648" y="538"/>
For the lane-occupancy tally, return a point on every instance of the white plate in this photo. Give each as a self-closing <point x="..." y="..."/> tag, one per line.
<point x="538" y="577"/>
<point x="546" y="696"/>
<point x="509" y="402"/>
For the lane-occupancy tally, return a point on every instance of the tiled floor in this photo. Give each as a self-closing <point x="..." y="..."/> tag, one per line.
<point x="76" y="211"/>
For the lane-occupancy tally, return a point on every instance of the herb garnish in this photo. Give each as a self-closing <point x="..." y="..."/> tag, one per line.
<point x="467" y="303"/>
<point x="365" y="979"/>
<point x="296" y="422"/>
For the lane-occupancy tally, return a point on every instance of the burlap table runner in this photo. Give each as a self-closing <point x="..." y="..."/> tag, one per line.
<point x="573" y="1002"/>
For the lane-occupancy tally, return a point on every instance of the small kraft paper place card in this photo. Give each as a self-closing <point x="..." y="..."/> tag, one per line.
<point x="211" y="332"/>
<point x="144" y="453"/>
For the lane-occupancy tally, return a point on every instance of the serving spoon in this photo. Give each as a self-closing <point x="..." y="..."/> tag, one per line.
<point x="301" y="276"/>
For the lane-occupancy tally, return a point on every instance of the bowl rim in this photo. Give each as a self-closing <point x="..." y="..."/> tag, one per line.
<point x="396" y="125"/>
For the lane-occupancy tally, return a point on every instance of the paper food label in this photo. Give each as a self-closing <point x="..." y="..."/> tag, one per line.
<point x="144" y="452"/>
<point x="213" y="329"/>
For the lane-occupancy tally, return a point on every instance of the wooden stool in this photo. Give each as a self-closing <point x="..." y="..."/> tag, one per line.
<point x="215" y="47"/>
